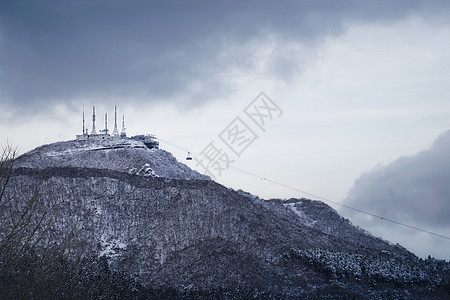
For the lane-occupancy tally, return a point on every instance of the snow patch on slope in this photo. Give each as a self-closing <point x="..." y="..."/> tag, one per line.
<point x="94" y="146"/>
<point x="306" y="220"/>
<point x="111" y="247"/>
<point x="145" y="171"/>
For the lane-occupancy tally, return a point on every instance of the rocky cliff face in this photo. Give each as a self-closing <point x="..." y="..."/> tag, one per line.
<point x="165" y="225"/>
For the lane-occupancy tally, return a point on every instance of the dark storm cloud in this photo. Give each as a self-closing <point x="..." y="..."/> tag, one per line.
<point x="414" y="189"/>
<point x="60" y="50"/>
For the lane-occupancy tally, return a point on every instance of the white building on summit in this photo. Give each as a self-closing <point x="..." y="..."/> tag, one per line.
<point x="149" y="140"/>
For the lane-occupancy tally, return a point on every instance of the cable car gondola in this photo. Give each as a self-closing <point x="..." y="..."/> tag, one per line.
<point x="189" y="156"/>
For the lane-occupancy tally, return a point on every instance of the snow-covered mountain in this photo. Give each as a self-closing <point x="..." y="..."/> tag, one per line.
<point x="159" y="222"/>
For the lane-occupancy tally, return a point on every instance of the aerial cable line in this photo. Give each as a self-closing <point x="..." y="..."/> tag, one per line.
<point x="340" y="204"/>
<point x="312" y="195"/>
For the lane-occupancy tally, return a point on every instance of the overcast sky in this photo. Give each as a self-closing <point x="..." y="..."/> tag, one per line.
<point x="362" y="89"/>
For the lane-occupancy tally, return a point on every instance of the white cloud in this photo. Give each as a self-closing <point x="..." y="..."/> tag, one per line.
<point x="413" y="189"/>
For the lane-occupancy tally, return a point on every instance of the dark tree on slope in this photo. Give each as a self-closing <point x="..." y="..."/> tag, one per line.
<point x="28" y="254"/>
<point x="36" y="260"/>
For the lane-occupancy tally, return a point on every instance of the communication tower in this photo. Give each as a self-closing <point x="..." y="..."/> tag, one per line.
<point x="123" y="133"/>
<point x="83" y="120"/>
<point x="115" y="132"/>
<point x="93" y="121"/>
<point x="105" y="131"/>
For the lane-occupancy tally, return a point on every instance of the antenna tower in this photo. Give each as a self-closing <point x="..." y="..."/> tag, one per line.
<point x="123" y="133"/>
<point x="106" y="124"/>
<point x="115" y="132"/>
<point x="93" y="121"/>
<point x="83" y="120"/>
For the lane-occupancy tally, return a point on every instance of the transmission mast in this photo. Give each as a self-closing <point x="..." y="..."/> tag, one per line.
<point x="123" y="133"/>
<point x="93" y="121"/>
<point x="115" y="132"/>
<point x="83" y="121"/>
<point x="105" y="131"/>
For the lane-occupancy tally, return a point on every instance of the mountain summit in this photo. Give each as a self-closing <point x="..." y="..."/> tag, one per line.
<point x="123" y="155"/>
<point x="167" y="227"/>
